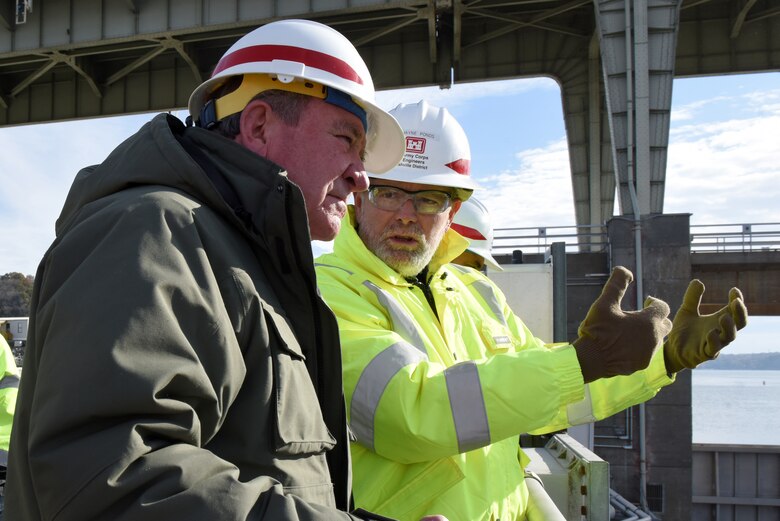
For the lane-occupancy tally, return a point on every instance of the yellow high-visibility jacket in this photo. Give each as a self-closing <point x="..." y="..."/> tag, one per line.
<point x="437" y="399"/>
<point x="9" y="385"/>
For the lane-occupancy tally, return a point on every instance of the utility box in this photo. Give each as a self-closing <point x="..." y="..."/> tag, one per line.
<point x="529" y="292"/>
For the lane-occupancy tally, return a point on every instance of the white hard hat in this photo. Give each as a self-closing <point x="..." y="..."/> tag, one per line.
<point x="309" y="58"/>
<point x="473" y="222"/>
<point x="437" y="149"/>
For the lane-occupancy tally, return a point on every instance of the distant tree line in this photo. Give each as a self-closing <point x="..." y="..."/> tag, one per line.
<point x="755" y="361"/>
<point x="15" y="294"/>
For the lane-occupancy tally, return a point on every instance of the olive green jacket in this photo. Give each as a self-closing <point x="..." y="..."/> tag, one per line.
<point x="180" y="362"/>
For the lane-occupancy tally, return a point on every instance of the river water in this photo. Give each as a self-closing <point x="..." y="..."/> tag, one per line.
<point x="736" y="407"/>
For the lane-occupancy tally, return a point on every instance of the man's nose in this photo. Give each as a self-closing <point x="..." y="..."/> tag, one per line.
<point x="356" y="177"/>
<point x="407" y="213"/>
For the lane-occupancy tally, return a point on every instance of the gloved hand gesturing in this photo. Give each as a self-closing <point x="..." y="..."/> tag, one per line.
<point x="615" y="342"/>
<point x="697" y="338"/>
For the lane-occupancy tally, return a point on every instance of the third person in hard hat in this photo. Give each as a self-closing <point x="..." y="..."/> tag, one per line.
<point x="9" y="385"/>
<point x="472" y="221"/>
<point x="440" y="380"/>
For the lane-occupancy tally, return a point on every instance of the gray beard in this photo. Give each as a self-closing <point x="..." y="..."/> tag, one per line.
<point x="408" y="263"/>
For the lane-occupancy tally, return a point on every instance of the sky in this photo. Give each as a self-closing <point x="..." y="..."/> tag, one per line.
<point x="723" y="162"/>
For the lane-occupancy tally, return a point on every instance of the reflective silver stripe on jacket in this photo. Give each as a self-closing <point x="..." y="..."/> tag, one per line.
<point x="468" y="406"/>
<point x="463" y="385"/>
<point x="582" y="411"/>
<point x="372" y="384"/>
<point x="403" y="324"/>
<point x="9" y="381"/>
<point x="487" y="293"/>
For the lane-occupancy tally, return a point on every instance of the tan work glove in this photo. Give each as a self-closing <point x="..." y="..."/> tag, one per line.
<point x="697" y="338"/>
<point x="614" y="342"/>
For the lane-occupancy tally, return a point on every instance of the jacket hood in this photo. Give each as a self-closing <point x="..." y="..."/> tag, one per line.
<point x="348" y="244"/>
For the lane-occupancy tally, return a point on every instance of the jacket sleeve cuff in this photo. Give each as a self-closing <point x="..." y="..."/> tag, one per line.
<point x="656" y="374"/>
<point x="571" y="384"/>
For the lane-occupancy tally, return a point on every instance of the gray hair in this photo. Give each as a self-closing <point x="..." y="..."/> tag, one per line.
<point x="287" y="105"/>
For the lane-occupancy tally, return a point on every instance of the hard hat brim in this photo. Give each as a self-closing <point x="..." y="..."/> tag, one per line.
<point x="385" y="142"/>
<point x="489" y="260"/>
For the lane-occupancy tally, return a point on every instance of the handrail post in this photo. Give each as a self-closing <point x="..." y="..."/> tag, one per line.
<point x="558" y="257"/>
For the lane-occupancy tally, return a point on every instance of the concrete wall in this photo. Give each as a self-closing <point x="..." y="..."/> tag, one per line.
<point x="666" y="271"/>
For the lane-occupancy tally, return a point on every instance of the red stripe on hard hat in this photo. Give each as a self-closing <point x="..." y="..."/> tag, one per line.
<point x="267" y="53"/>
<point x="461" y="166"/>
<point x="469" y="233"/>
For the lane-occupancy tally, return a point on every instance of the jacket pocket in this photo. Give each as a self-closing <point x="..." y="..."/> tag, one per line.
<point x="300" y="428"/>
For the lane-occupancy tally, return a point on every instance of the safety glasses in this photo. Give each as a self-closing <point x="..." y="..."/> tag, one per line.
<point x="427" y="202"/>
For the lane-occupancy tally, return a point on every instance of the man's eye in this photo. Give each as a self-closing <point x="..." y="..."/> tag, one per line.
<point x="346" y="138"/>
<point x="387" y="194"/>
<point x="432" y="199"/>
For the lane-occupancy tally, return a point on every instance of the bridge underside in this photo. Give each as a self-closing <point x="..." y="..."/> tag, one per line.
<point x="73" y="59"/>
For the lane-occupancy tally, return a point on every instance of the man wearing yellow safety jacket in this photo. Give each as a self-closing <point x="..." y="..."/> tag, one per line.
<point x="9" y="385"/>
<point x="440" y="375"/>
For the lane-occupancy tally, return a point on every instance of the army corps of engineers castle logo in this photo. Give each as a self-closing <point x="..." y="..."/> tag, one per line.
<point x="415" y="145"/>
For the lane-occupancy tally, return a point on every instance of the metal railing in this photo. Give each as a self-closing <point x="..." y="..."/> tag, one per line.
<point x="712" y="238"/>
<point x="743" y="238"/>
<point x="535" y="239"/>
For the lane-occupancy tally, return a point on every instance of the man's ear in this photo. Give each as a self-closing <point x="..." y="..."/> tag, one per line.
<point x="257" y="118"/>
<point x="358" y="202"/>
<point x="454" y="209"/>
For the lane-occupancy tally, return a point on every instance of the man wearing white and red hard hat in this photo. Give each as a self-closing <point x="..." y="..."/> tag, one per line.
<point x="473" y="222"/>
<point x="180" y="362"/>
<point x="441" y="376"/>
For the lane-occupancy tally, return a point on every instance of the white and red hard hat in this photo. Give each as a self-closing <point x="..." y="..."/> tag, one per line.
<point x="473" y="222"/>
<point x="294" y="55"/>
<point x="437" y="149"/>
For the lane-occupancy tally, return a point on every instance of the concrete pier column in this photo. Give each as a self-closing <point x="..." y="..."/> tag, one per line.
<point x="666" y="272"/>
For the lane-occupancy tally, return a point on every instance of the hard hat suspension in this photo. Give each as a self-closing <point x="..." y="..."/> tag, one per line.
<point x="216" y="109"/>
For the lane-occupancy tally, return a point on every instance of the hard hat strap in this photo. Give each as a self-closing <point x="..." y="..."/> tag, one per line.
<point x="346" y="102"/>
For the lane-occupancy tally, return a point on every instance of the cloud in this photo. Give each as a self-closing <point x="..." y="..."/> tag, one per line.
<point x="37" y="170"/>
<point x="725" y="171"/>
<point x="715" y="107"/>
<point x="690" y="110"/>
<point x="536" y="193"/>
